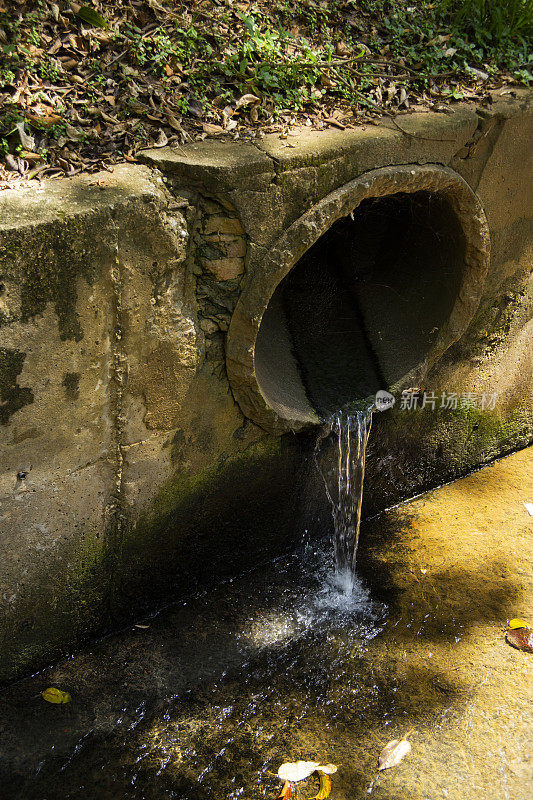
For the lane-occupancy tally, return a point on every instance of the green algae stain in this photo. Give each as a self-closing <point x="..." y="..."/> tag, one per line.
<point x="53" y="616"/>
<point x="12" y="396"/>
<point x="205" y="522"/>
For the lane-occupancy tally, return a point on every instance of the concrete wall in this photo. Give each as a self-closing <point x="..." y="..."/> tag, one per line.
<point x="127" y="469"/>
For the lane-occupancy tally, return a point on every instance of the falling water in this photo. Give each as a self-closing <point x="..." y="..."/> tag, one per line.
<point x="343" y="476"/>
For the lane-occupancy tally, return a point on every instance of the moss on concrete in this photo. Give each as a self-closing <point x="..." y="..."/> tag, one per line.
<point x="411" y="451"/>
<point x="231" y="515"/>
<point x="199" y="526"/>
<point x="54" y="615"/>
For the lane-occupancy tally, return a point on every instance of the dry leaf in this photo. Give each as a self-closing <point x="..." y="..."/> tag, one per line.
<point x="226" y="116"/>
<point x="478" y="73"/>
<point x="31" y="156"/>
<point x="53" y="695"/>
<point x="162" y="140"/>
<point x="337" y="123"/>
<point x="173" y="122"/>
<point x="108" y="118"/>
<point x="74" y="134"/>
<point x="325" y="786"/>
<point x="27" y="142"/>
<point x="393" y="752"/>
<point x="521" y="638"/>
<point x="11" y="162"/>
<point x="43" y="117"/>
<point x="297" y="771"/>
<point x="326" y="81"/>
<point x="247" y="100"/>
<point x="342" y="49"/>
<point x="211" y="129"/>
<point x="286" y="792"/>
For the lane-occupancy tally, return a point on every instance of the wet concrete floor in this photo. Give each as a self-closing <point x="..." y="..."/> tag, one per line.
<point x="208" y="698"/>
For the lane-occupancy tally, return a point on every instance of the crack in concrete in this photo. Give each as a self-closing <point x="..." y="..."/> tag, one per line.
<point x="488" y="131"/>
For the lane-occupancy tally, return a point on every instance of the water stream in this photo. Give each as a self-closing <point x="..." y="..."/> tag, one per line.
<point x="343" y="471"/>
<point x="206" y="699"/>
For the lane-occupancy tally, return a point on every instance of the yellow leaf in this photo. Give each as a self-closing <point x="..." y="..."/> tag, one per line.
<point x="325" y="787"/>
<point x="52" y="695"/>
<point x="517" y="623"/>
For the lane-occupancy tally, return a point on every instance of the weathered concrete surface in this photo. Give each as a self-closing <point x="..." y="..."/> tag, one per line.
<point x="114" y="416"/>
<point x="272" y="183"/>
<point x="126" y="466"/>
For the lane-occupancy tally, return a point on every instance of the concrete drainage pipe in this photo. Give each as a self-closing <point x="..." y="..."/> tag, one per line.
<point x="365" y="291"/>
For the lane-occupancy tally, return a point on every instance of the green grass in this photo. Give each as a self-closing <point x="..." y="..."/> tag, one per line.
<point x="487" y="20"/>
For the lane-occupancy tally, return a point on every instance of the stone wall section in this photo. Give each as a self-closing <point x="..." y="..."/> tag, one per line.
<point x="217" y="260"/>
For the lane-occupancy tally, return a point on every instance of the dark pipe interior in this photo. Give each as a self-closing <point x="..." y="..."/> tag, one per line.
<point x="364" y="305"/>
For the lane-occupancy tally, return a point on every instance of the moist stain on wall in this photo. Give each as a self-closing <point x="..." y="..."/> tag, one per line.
<point x="71" y="382"/>
<point x="12" y="396"/>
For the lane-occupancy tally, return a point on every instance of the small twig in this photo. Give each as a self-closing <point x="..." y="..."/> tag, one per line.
<point x="117" y="58"/>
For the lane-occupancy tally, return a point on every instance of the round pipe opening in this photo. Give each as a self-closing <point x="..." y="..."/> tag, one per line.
<point x="362" y="308"/>
<point x="363" y="292"/>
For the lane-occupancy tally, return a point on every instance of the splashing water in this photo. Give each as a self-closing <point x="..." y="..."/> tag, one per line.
<point x="343" y="479"/>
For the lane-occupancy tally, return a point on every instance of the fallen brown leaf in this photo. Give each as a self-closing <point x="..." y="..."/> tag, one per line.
<point x="393" y="752"/>
<point x="211" y="129"/>
<point x="161" y="140"/>
<point x="521" y="638"/>
<point x="286" y="791"/>
<point x="247" y="100"/>
<point x="335" y="122"/>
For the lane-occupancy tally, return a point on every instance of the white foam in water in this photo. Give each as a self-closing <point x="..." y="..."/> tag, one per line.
<point x="344" y="592"/>
<point x="339" y="597"/>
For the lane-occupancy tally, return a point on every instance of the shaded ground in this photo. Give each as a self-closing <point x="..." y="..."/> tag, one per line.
<point x="209" y="699"/>
<point x="87" y="85"/>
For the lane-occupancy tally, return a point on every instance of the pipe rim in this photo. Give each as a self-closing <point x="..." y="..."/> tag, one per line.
<point x="284" y="254"/>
